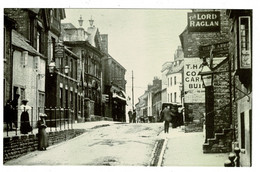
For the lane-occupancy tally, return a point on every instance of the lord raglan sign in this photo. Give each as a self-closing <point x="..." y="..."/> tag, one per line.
<point x="204" y="21"/>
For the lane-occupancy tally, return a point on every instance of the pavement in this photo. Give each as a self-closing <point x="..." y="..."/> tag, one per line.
<point x="185" y="149"/>
<point x="85" y="125"/>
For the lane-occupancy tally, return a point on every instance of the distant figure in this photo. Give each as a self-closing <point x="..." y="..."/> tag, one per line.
<point x="134" y="116"/>
<point x="25" y="123"/>
<point x="42" y="136"/>
<point x="130" y="115"/>
<point x="167" y="116"/>
<point x="8" y="112"/>
<point x="14" y="116"/>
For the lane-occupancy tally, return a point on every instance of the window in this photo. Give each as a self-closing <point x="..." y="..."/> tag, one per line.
<point x="175" y="95"/>
<point x="36" y="61"/>
<point x="171" y="97"/>
<point x="52" y="47"/>
<point x="174" y="80"/>
<point x="71" y="99"/>
<point x="168" y="82"/>
<point x="24" y="58"/>
<point x="38" y="41"/>
<point x="244" y="42"/>
<point x="61" y="97"/>
<point x="171" y="81"/>
<point x="242" y="126"/>
<point x="71" y="68"/>
<point x="22" y="96"/>
<point x="41" y="102"/>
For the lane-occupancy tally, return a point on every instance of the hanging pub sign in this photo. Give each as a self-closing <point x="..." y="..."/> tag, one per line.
<point x="204" y="21"/>
<point x="218" y="50"/>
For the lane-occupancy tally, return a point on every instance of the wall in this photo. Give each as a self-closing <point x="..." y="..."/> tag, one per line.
<point x="25" y="77"/>
<point x="17" y="146"/>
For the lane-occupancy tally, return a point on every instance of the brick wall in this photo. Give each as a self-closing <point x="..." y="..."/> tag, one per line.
<point x="21" y="16"/>
<point x="17" y="146"/>
<point x="221" y="98"/>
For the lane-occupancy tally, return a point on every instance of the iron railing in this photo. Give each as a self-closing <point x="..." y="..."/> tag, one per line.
<point x="57" y="119"/>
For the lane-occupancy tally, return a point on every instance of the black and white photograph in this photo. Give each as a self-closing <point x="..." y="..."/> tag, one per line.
<point x="128" y="86"/>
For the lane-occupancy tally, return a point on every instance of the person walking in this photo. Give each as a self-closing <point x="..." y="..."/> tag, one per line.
<point x="130" y="115"/>
<point x="167" y="117"/>
<point x="25" y="123"/>
<point x="134" y="116"/>
<point x="42" y="136"/>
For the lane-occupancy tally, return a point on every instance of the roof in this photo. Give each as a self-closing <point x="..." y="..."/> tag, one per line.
<point x="68" y="26"/>
<point x="19" y="41"/>
<point x="175" y="68"/>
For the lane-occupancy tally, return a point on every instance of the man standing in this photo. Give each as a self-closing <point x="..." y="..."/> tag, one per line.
<point x="130" y="115"/>
<point x="167" y="117"/>
<point x="134" y="116"/>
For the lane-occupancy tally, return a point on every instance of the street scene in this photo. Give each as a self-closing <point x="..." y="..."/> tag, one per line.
<point x="127" y="87"/>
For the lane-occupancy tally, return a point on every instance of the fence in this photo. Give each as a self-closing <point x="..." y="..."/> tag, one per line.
<point x="57" y="119"/>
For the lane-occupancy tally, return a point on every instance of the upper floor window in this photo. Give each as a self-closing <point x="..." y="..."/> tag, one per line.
<point x="244" y="42"/>
<point x="171" y="81"/>
<point x="175" y="80"/>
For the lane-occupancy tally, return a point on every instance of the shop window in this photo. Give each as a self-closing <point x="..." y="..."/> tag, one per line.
<point x="244" y="42"/>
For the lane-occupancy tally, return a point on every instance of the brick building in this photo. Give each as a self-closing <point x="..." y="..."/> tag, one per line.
<point x="194" y="97"/>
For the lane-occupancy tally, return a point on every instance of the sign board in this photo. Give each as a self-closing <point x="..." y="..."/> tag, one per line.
<point x="219" y="50"/>
<point x="193" y="86"/>
<point x="204" y="21"/>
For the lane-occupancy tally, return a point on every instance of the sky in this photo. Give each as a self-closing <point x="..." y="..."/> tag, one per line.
<point x="141" y="40"/>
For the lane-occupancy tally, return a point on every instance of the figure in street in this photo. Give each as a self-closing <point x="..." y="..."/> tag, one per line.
<point x="14" y="104"/>
<point x="167" y="117"/>
<point x="25" y="123"/>
<point x="42" y="136"/>
<point x="8" y="112"/>
<point x="130" y="115"/>
<point x="134" y="116"/>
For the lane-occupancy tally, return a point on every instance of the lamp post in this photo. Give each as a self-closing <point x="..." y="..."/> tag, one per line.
<point x="207" y="79"/>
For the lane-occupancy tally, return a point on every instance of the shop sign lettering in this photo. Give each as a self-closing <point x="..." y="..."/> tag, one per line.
<point x="204" y="21"/>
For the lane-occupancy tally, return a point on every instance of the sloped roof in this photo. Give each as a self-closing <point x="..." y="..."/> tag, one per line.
<point x="175" y="68"/>
<point x="19" y="41"/>
<point x="68" y="26"/>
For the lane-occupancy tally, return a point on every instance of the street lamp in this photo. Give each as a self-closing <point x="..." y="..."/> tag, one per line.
<point x="206" y="76"/>
<point x="52" y="67"/>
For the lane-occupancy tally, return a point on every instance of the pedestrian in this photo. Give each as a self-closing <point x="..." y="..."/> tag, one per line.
<point x="8" y="112"/>
<point x="25" y="123"/>
<point x="130" y="115"/>
<point x="167" y="117"/>
<point x="14" y="115"/>
<point x="134" y="116"/>
<point x="42" y="135"/>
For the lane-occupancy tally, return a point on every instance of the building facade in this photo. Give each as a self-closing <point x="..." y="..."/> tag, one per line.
<point x="114" y="89"/>
<point x="194" y="92"/>
<point x="241" y="57"/>
<point x="87" y="45"/>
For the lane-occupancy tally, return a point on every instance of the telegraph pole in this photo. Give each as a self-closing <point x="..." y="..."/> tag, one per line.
<point x="133" y="89"/>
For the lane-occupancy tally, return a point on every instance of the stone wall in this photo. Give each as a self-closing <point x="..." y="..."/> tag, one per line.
<point x="17" y="146"/>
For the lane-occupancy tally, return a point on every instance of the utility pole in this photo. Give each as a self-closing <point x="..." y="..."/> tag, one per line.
<point x="133" y="89"/>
